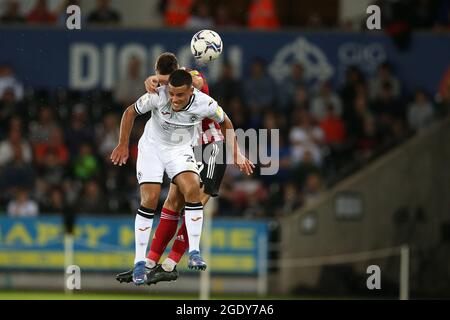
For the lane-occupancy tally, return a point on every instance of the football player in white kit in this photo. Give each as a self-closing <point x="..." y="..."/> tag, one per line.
<point x="212" y="146"/>
<point x="166" y="146"/>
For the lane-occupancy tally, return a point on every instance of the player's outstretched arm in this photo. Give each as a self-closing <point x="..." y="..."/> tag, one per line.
<point x="240" y="160"/>
<point x="152" y="82"/>
<point x="120" y="154"/>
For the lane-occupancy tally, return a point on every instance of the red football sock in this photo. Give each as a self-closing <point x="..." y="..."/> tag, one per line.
<point x="180" y="244"/>
<point x="163" y="234"/>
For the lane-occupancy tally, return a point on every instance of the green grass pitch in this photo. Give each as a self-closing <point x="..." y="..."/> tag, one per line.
<point x="34" y="295"/>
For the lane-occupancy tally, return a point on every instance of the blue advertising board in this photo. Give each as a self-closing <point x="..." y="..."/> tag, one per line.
<point x="108" y="244"/>
<point x="96" y="58"/>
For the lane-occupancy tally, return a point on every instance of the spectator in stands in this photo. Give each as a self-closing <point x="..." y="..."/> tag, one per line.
<point x="292" y="200"/>
<point x="116" y="189"/>
<point x="131" y="85"/>
<point x="325" y="97"/>
<point x="104" y="14"/>
<point x="16" y="123"/>
<point x="40" y="14"/>
<point x="227" y="86"/>
<point x="270" y="123"/>
<point x="396" y="21"/>
<point x="238" y="113"/>
<point x="420" y="111"/>
<point x="72" y="190"/>
<point x="313" y="188"/>
<point x="7" y="147"/>
<point x="270" y="120"/>
<point x="223" y="17"/>
<point x="54" y="146"/>
<point x="22" y="206"/>
<point x="9" y="81"/>
<point x="107" y="135"/>
<point x="356" y="115"/>
<point x="200" y="17"/>
<point x="79" y="130"/>
<point x="305" y="168"/>
<point x="8" y="109"/>
<point x="384" y="76"/>
<point x="282" y="121"/>
<point x="259" y="88"/>
<point x="306" y="136"/>
<point x="249" y="192"/>
<point x="40" y="129"/>
<point x="387" y="108"/>
<point x="86" y="165"/>
<point x="17" y="172"/>
<point x="52" y="171"/>
<point x="12" y="13"/>
<point x="299" y="100"/>
<point x="288" y="86"/>
<point x="333" y="128"/>
<point x="262" y="15"/>
<point x="368" y="140"/>
<point x="176" y="12"/>
<point x="285" y="162"/>
<point x="226" y="199"/>
<point x="353" y="79"/>
<point x="254" y="207"/>
<point x="92" y="200"/>
<point x="55" y="202"/>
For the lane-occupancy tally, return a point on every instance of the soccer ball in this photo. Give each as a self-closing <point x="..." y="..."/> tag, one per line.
<point x="206" y="45"/>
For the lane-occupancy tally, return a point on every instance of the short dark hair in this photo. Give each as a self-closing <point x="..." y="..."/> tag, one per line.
<point x="180" y="78"/>
<point x="166" y="63"/>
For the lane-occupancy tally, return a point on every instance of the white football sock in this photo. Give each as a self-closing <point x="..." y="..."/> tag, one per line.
<point x="142" y="229"/>
<point x="168" y="265"/>
<point x="150" y="263"/>
<point x="193" y="218"/>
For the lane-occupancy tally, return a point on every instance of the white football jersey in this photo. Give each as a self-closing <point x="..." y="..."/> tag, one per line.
<point x="176" y="128"/>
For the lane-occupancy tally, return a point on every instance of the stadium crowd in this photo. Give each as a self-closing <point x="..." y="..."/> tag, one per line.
<point x="55" y="145"/>
<point x="399" y="16"/>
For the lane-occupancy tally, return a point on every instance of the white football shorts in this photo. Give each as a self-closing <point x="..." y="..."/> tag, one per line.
<point x="153" y="159"/>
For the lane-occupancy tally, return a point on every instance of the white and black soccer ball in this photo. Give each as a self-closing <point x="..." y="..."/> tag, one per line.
<point x="206" y="45"/>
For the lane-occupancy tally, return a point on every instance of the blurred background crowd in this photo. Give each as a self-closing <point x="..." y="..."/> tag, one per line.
<point x="398" y="15"/>
<point x="55" y="145"/>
